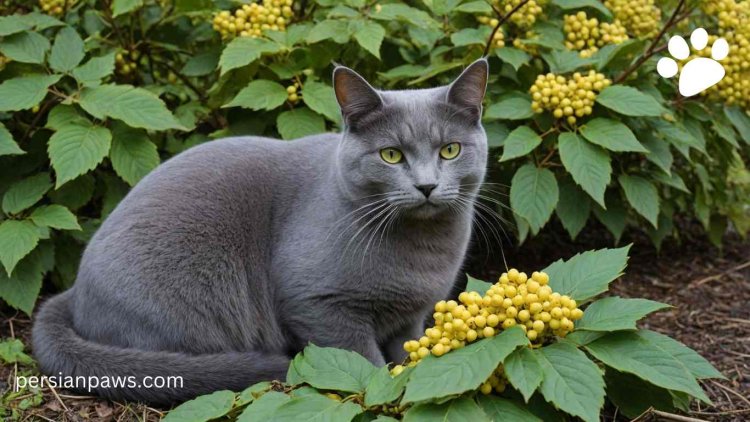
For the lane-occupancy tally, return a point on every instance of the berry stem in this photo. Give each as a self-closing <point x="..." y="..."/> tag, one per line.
<point x="502" y="20"/>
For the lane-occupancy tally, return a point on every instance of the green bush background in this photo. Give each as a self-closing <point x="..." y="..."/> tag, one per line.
<point x="79" y="125"/>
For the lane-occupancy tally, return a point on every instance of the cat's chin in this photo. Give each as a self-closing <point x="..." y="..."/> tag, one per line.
<point x="427" y="210"/>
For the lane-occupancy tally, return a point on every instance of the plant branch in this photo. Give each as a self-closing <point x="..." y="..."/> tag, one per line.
<point x="502" y="20"/>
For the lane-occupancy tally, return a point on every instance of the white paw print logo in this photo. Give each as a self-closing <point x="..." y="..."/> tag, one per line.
<point x="700" y="73"/>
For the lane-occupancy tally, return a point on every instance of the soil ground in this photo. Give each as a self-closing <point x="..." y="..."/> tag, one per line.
<point x="709" y="289"/>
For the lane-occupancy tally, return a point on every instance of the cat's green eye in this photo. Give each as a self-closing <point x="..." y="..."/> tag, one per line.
<point x="450" y="151"/>
<point x="391" y="155"/>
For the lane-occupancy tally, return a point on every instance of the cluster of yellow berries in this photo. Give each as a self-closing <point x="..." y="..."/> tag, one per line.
<point x="498" y="40"/>
<point x="515" y="299"/>
<point x="252" y="19"/>
<point x="292" y="93"/>
<point x="640" y="17"/>
<point x="571" y="98"/>
<point x="588" y="35"/>
<point x="126" y="63"/>
<point x="526" y="16"/>
<point x="56" y="7"/>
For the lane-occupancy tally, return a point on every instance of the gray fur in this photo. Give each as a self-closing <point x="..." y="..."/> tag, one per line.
<point x="229" y="258"/>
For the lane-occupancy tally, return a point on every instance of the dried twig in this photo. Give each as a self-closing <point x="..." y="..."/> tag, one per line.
<point x="502" y="20"/>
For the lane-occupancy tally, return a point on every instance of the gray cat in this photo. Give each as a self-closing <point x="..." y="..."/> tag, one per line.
<point x="228" y="259"/>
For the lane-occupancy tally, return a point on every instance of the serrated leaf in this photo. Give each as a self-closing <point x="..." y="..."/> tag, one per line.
<point x="55" y="216"/>
<point x="614" y="218"/>
<point x="510" y="107"/>
<point x="64" y="115"/>
<point x="589" y="165"/>
<point x="330" y="29"/>
<point x="586" y="275"/>
<point x="563" y="60"/>
<point x="571" y="381"/>
<point x="133" y="155"/>
<point x="611" y="134"/>
<point x="25" y="47"/>
<point x="21" y="289"/>
<point x="95" y="69"/>
<point x="404" y="13"/>
<point x="513" y="56"/>
<point x="12" y="25"/>
<point x="497" y="133"/>
<point x="8" y="146"/>
<point x="17" y="239"/>
<point x="121" y="7"/>
<point x="523" y="371"/>
<point x="460" y="409"/>
<point x="263" y="408"/>
<point x="67" y="51"/>
<point x="25" y="91"/>
<point x="642" y="196"/>
<point x="315" y="408"/>
<point x="383" y="388"/>
<point x="321" y="99"/>
<point x="584" y="4"/>
<point x="335" y="369"/>
<point x="471" y="36"/>
<point x="300" y="122"/>
<point x="615" y="313"/>
<point x="521" y="141"/>
<point x="533" y="195"/>
<point x="202" y="64"/>
<point x="203" y="408"/>
<point x="370" y="35"/>
<point x="658" y="152"/>
<point x="476" y="285"/>
<point x="629" y="101"/>
<point x="260" y="94"/>
<point x="25" y="193"/>
<point x="629" y="351"/>
<point x="573" y="209"/>
<point x="249" y="394"/>
<point x="242" y="51"/>
<point x="740" y="120"/>
<point x="11" y="351"/>
<point x="77" y="149"/>
<point x="477" y="6"/>
<point x="135" y="106"/>
<point x="500" y="409"/>
<point x="461" y="370"/>
<point x="695" y="363"/>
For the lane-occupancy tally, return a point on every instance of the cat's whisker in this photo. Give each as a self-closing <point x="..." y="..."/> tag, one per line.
<point x="479" y="217"/>
<point x="379" y="203"/>
<point x="380" y="210"/>
<point x="374" y="232"/>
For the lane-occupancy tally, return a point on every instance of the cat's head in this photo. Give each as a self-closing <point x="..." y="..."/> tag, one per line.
<point x="422" y="151"/>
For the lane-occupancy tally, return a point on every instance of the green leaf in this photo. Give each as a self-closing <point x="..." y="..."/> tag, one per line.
<point x="573" y="209"/>
<point x="674" y="181"/>
<point x="513" y="56"/>
<point x="520" y="142"/>
<point x="589" y="165"/>
<point x="633" y="396"/>
<point x="642" y="195"/>
<point x="460" y="409"/>
<point x="315" y="408"/>
<point x="616" y="313"/>
<point x="135" y="106"/>
<point x="38" y="21"/>
<point x="629" y="101"/>
<point x="497" y="133"/>
<point x="242" y="51"/>
<point x="202" y="64"/>
<point x="121" y="7"/>
<point x="370" y="36"/>
<point x="335" y="369"/>
<point x="17" y="239"/>
<point x="698" y="366"/>
<point x="64" y="115"/>
<point x="25" y="193"/>
<point x="203" y="408"/>
<point x="8" y="146"/>
<point x="263" y="408"/>
<point x="658" y="152"/>
<point x="25" y="91"/>
<point x="533" y="195"/>
<point x="11" y="351"/>
<point x="321" y="99"/>
<point x="523" y="371"/>
<point x="477" y="6"/>
<point x="56" y="217"/>
<point x="564" y="61"/>
<point x="611" y="134"/>
<point x="510" y="107"/>
<point x="21" y="289"/>
<point x="133" y="155"/>
<point x="67" y="51"/>
<point x="300" y="122"/>
<point x="584" y="4"/>
<point x="740" y="120"/>
<point x="251" y="393"/>
<point x="383" y="388"/>
<point x="614" y="217"/>
<point x="76" y="149"/>
<point x="631" y="352"/>
<point x="329" y="29"/>
<point x="95" y="69"/>
<point x="500" y="409"/>
<point x="12" y="25"/>
<point x="471" y="36"/>
<point x="476" y="285"/>
<point x="25" y="47"/>
<point x="588" y="274"/>
<point x="571" y="382"/>
<point x="461" y="370"/>
<point x="260" y="94"/>
<point x="404" y="13"/>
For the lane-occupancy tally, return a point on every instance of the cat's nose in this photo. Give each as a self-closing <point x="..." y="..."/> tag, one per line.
<point x="426" y="189"/>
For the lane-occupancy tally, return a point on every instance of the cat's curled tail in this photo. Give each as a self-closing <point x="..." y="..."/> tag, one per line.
<point x="62" y="353"/>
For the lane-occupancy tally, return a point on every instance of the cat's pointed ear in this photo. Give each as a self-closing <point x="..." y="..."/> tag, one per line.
<point x="355" y="96"/>
<point x="467" y="91"/>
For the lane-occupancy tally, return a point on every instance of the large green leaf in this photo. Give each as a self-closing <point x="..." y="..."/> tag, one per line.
<point x="329" y="29"/>
<point x="133" y="155"/>
<point x="615" y="217"/>
<point x="300" y="122"/>
<point x="574" y="207"/>
<point x="511" y="107"/>
<point x="21" y="289"/>
<point x="25" y="91"/>
<point x="263" y="408"/>
<point x="629" y="101"/>
<point x="633" y="396"/>
<point x="461" y="409"/>
<point x="658" y="152"/>
<point x="500" y="409"/>
<point x="588" y="274"/>
<point x="616" y="313"/>
<point x="404" y="13"/>
<point x="562" y="60"/>
<point x="383" y="388"/>
<point x="55" y="216"/>
<point x="242" y="51"/>
<point x="315" y="408"/>
<point x="76" y="149"/>
<point x="249" y="394"/>
<point x="135" y="106"/>
<point x="642" y="195"/>
<point x="67" y="51"/>
<point x="471" y="36"/>
<point x="523" y="371"/>
<point x="513" y="56"/>
<point x="121" y="7"/>
<point x="369" y="36"/>
<point x="12" y="25"/>
<point x="631" y="352"/>
<point x="321" y="98"/>
<point x="461" y="370"/>
<point x="8" y="146"/>
<point x="476" y="285"/>
<point x="571" y="381"/>
<point x="612" y="135"/>
<point x="740" y="120"/>
<point x="17" y="239"/>
<point x="695" y="363"/>
<point x="25" y="47"/>
<point x="521" y="141"/>
<point x="25" y="193"/>
<point x="584" y="4"/>
<point x="589" y="165"/>
<point x="95" y="69"/>
<point x="533" y="195"/>
<point x="260" y="94"/>
<point x="203" y="408"/>
<point x="335" y="369"/>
